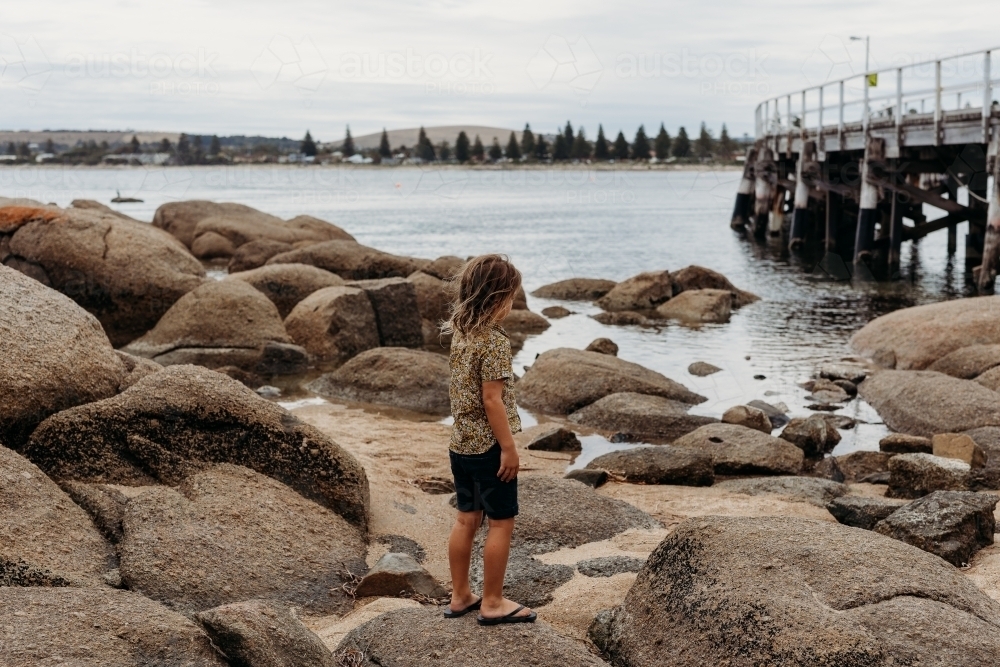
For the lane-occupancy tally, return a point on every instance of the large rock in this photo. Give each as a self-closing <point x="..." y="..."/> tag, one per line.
<point x="790" y="592"/>
<point x="925" y="402"/>
<point x="641" y="292"/>
<point x="446" y="267"/>
<point x="563" y="380"/>
<point x="744" y="415"/>
<point x="699" y="278"/>
<point x="658" y="465"/>
<point x="902" y="443"/>
<point x="545" y="438"/>
<point x="237" y="224"/>
<point x="399" y="574"/>
<point x="522" y="321"/>
<point x="136" y="368"/>
<point x="255" y="254"/>
<point x="968" y="362"/>
<point x="817" y="492"/>
<point x="45" y="539"/>
<point x="575" y="289"/>
<point x="862" y="511"/>
<point x="126" y="273"/>
<point x="990" y="379"/>
<point x="334" y="323"/>
<point x="698" y="306"/>
<point x="604" y="346"/>
<point x="229" y="534"/>
<point x="175" y="421"/>
<point x="221" y="323"/>
<point x="556" y="514"/>
<point x="105" y="503"/>
<point x="97" y="626"/>
<point x="857" y="466"/>
<point x="55" y="355"/>
<point x="351" y="260"/>
<point x="640" y="417"/>
<point x="261" y="634"/>
<point x="814" y="435"/>
<point x="397" y="314"/>
<point x="410" y="379"/>
<point x="434" y="297"/>
<point x="959" y="446"/>
<point x="287" y="284"/>
<point x="951" y="524"/>
<point x="914" y="338"/>
<point x="424" y="638"/>
<point x="916" y="475"/>
<point x="561" y="513"/>
<point x="737" y="450"/>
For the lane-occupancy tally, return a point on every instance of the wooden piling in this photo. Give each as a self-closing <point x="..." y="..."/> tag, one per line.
<point x="744" y="195"/>
<point x="834" y="212"/>
<point x="991" y="245"/>
<point x="776" y="222"/>
<point x="806" y="171"/>
<point x="765" y="186"/>
<point x="870" y="196"/>
<point x="895" y="235"/>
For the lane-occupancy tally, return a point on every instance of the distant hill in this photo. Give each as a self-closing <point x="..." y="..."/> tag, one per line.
<point x="408" y="137"/>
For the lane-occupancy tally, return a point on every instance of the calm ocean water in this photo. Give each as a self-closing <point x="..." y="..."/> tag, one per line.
<point x="558" y="224"/>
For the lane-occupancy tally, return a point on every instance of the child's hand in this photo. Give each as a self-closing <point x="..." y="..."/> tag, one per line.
<point x="509" y="464"/>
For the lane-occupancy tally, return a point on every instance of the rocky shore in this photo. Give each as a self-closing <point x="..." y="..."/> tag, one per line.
<point x="159" y="508"/>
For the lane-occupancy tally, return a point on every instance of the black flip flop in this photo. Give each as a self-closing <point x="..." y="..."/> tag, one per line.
<point x="512" y="617"/>
<point x="448" y="613"/>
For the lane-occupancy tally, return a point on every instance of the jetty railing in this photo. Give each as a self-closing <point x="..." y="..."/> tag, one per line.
<point x="930" y="92"/>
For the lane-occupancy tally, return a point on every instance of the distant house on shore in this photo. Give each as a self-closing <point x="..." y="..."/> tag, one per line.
<point x="155" y="159"/>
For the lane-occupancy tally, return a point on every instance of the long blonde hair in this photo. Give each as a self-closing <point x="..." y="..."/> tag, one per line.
<point x="484" y="286"/>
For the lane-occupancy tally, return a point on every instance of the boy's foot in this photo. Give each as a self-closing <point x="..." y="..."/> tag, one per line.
<point x="459" y="608"/>
<point x="507" y="612"/>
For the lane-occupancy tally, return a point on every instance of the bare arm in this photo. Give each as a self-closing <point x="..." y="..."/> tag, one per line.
<point x="496" y="413"/>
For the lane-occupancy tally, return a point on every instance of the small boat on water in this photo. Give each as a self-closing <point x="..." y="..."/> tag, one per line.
<point x="118" y="199"/>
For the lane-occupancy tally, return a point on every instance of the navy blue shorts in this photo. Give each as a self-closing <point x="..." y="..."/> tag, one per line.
<point x="478" y="487"/>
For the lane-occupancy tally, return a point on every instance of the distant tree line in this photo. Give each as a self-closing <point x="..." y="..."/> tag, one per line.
<point x="566" y="145"/>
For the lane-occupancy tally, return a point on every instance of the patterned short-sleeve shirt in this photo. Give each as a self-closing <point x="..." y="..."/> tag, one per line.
<point x="483" y="356"/>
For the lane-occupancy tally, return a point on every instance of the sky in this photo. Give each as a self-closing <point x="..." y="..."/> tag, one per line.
<point x="278" y="68"/>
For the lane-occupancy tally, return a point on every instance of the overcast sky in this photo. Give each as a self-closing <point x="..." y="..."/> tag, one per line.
<point x="277" y="68"/>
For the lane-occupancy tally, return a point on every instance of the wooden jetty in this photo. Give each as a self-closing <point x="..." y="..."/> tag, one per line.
<point x="860" y="165"/>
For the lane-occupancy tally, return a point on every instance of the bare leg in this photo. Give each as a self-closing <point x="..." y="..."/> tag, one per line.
<point x="459" y="556"/>
<point x="495" y="554"/>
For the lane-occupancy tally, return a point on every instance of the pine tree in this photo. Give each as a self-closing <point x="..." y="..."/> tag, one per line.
<point x="165" y="146"/>
<point x="495" y="151"/>
<point x="568" y="135"/>
<point x="197" y="151"/>
<point x="726" y="145"/>
<point x="462" y="147"/>
<point x="50" y="146"/>
<point x="134" y="144"/>
<point x="383" y="145"/>
<point x="560" y="150"/>
<point x="347" y="148"/>
<point x="640" y="147"/>
<point x="527" y="141"/>
<point x="214" y="148"/>
<point x="183" y="149"/>
<point x="621" y="146"/>
<point x="581" y="147"/>
<point x="682" y="145"/>
<point x="513" y="151"/>
<point x="601" y="151"/>
<point x="11" y="149"/>
<point x="704" y="144"/>
<point x="308" y="146"/>
<point x="541" y="147"/>
<point x="662" y="144"/>
<point x="478" y="152"/>
<point x="425" y="150"/>
<point x="444" y="150"/>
